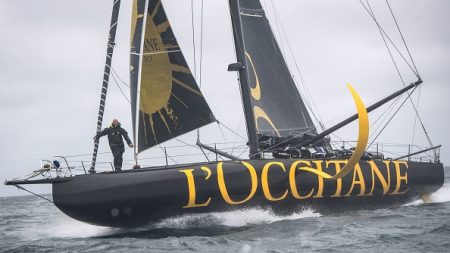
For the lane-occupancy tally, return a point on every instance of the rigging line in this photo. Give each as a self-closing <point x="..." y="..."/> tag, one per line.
<point x="292" y="54"/>
<point x="385" y="113"/>
<point x="230" y="23"/>
<point x="201" y="65"/>
<point x="415" y="118"/>
<point x="186" y="154"/>
<point x="236" y="136"/>
<point x="390" y="40"/>
<point x="309" y="100"/>
<point x="278" y="28"/>
<point x="70" y="156"/>
<point x="206" y="156"/>
<point x="35" y="194"/>
<point x="245" y="150"/>
<point x="185" y="143"/>
<point x="221" y="132"/>
<point x="387" y="46"/>
<point x="421" y="123"/>
<point x="118" y="76"/>
<point x="168" y="156"/>
<point x="195" y="146"/>
<point x="229" y="129"/>
<point x="334" y="144"/>
<point x="384" y="117"/>
<point x="381" y="131"/>
<point x="201" y="44"/>
<point x="121" y="91"/>
<point x="412" y="103"/>
<point x="337" y="137"/>
<point x="410" y="99"/>
<point x="193" y="38"/>
<point x="403" y="38"/>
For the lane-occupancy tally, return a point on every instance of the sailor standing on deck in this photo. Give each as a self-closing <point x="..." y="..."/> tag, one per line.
<point x="116" y="134"/>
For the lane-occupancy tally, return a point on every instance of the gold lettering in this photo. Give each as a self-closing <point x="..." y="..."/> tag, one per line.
<point x="265" y="181"/>
<point x="337" y="164"/>
<point x="192" y="192"/>
<point x="360" y="181"/>
<point x="385" y="183"/>
<point x="320" y="179"/>
<point x="223" y="187"/>
<point x="207" y="170"/>
<point x="400" y="177"/>
<point x="293" y="182"/>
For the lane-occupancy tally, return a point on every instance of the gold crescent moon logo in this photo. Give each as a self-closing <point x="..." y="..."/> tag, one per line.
<point x="256" y="92"/>
<point x="363" y="139"/>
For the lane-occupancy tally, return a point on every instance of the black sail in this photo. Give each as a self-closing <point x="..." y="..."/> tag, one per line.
<point x="275" y="102"/>
<point x="165" y="98"/>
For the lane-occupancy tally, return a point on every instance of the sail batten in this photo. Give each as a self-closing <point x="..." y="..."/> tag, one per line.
<point x="167" y="101"/>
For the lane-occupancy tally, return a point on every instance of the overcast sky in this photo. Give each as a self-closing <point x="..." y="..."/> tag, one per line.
<point x="52" y="56"/>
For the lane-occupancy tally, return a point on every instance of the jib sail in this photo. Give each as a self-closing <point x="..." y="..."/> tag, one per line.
<point x="165" y="99"/>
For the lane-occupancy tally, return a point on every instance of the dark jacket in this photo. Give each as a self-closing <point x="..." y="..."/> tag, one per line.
<point x="115" y="136"/>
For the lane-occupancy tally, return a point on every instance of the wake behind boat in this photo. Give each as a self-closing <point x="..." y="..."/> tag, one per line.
<point x="292" y="164"/>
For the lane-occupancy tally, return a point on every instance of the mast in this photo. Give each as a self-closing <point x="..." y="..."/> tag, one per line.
<point x="106" y="73"/>
<point x="243" y="77"/>
<point x="135" y="106"/>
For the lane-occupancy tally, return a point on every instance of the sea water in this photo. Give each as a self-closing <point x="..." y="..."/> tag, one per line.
<point x="31" y="224"/>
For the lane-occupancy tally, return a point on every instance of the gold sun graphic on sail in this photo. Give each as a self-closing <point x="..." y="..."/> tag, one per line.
<point x="167" y="85"/>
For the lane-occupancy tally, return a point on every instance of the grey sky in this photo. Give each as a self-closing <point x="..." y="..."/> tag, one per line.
<point x="52" y="57"/>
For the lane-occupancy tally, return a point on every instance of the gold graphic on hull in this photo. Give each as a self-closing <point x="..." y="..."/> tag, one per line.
<point x="363" y="138"/>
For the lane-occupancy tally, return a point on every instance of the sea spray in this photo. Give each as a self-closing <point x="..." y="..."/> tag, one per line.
<point x="442" y="195"/>
<point x="238" y="218"/>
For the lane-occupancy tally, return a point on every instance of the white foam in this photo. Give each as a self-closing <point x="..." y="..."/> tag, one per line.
<point x="442" y="195"/>
<point x="69" y="228"/>
<point x="239" y="218"/>
<point x="415" y="203"/>
<point x="64" y="227"/>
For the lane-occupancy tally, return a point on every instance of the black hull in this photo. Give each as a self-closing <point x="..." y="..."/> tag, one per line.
<point x="132" y="198"/>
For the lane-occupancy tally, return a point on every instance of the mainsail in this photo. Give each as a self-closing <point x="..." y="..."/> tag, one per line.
<point x="165" y="99"/>
<point x="274" y="102"/>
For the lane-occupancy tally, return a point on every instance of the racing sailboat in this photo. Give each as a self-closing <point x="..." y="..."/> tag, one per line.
<point x="291" y="164"/>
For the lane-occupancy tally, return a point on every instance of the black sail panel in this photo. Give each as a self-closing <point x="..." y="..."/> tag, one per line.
<point x="169" y="100"/>
<point x="277" y="106"/>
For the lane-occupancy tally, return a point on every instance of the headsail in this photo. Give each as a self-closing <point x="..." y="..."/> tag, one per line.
<point x="276" y="105"/>
<point x="165" y="99"/>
